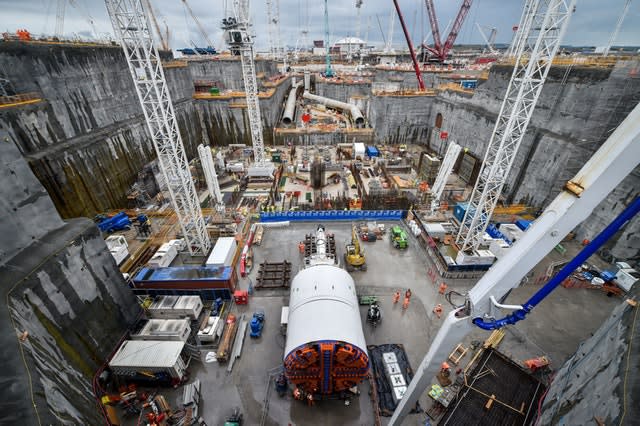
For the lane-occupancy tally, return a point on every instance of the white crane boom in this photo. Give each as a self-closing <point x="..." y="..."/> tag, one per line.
<point x="539" y="45"/>
<point x="130" y="22"/>
<point x="615" y="32"/>
<point x="164" y="43"/>
<point x="200" y="27"/>
<point x="443" y="174"/>
<point x="615" y="159"/>
<point x="60" y="18"/>
<point x="210" y="176"/>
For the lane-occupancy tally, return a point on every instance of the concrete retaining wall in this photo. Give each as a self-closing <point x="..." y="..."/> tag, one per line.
<point x="64" y="295"/>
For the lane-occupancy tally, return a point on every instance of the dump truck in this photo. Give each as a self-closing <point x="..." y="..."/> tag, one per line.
<point x="398" y="237"/>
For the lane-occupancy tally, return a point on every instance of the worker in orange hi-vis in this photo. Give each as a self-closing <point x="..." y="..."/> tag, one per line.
<point x="396" y="297"/>
<point x="438" y="310"/>
<point x="297" y="394"/>
<point x="405" y="304"/>
<point x="443" y="287"/>
<point x="407" y="294"/>
<point x="301" y="247"/>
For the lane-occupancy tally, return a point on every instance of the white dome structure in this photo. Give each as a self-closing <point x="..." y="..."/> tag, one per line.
<point x="350" y="44"/>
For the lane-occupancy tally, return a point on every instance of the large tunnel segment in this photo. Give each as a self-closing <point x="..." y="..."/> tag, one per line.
<point x="325" y="350"/>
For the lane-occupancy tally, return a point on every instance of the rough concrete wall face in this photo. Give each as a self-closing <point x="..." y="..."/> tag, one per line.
<point x="401" y="119"/>
<point x="75" y="307"/>
<point x="26" y="209"/>
<point x="590" y="384"/>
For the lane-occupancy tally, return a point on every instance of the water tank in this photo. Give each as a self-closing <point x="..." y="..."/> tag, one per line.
<point x="325" y="350"/>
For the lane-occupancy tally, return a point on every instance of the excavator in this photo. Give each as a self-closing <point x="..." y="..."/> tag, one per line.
<point x="354" y="255"/>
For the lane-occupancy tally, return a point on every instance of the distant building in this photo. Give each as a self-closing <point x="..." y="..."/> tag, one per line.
<point x="349" y="45"/>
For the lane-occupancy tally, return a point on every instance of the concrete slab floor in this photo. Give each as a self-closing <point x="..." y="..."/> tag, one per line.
<point x="555" y="328"/>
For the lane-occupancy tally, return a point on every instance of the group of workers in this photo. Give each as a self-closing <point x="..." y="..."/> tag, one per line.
<point x="300" y="395"/>
<point x="407" y="298"/>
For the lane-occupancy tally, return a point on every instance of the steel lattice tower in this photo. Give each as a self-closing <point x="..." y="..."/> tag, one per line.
<point x="239" y="39"/>
<point x="548" y="21"/>
<point x="130" y="22"/>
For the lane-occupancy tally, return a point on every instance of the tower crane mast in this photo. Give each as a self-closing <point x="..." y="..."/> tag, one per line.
<point x="60" y="18"/>
<point x="130" y="20"/>
<point x="328" y="71"/>
<point x="239" y="38"/>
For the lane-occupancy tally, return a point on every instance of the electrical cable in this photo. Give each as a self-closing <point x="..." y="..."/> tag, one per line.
<point x="448" y="295"/>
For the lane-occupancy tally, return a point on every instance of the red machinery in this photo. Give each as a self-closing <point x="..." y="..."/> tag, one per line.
<point x="440" y="50"/>
<point x="326" y="367"/>
<point x="414" y="59"/>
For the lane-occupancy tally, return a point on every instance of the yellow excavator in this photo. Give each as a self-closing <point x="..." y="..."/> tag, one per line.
<point x="354" y="255"/>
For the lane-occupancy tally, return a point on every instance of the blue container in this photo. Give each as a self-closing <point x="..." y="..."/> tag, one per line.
<point x="523" y="224"/>
<point x="459" y="211"/>
<point x="372" y="151"/>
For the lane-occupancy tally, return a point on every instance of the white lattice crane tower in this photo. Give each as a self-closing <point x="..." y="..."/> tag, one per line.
<point x="239" y="39"/>
<point x="540" y="41"/>
<point x="528" y="11"/>
<point x="273" y="25"/>
<point x="130" y="22"/>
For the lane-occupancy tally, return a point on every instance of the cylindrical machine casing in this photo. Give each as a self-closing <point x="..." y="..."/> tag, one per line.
<point x="325" y="351"/>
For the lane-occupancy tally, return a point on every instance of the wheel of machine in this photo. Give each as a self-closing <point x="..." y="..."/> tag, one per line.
<point x="363" y="267"/>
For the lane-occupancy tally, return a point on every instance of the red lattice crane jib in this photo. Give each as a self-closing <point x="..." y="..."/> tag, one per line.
<point x="439" y="49"/>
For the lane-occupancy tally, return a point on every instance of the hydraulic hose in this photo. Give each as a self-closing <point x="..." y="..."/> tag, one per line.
<point x="626" y="215"/>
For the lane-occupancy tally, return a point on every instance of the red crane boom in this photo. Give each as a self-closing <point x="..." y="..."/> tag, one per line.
<point x="414" y="59"/>
<point x="439" y="49"/>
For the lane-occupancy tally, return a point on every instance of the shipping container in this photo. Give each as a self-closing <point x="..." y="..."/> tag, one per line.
<point x="175" y="307"/>
<point x="149" y="360"/>
<point x="162" y="329"/>
<point x="118" y="247"/>
<point x="223" y="252"/>
<point x="186" y="277"/>
<point x="164" y="256"/>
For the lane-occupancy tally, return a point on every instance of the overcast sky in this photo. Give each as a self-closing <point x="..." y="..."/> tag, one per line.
<point x="591" y="25"/>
